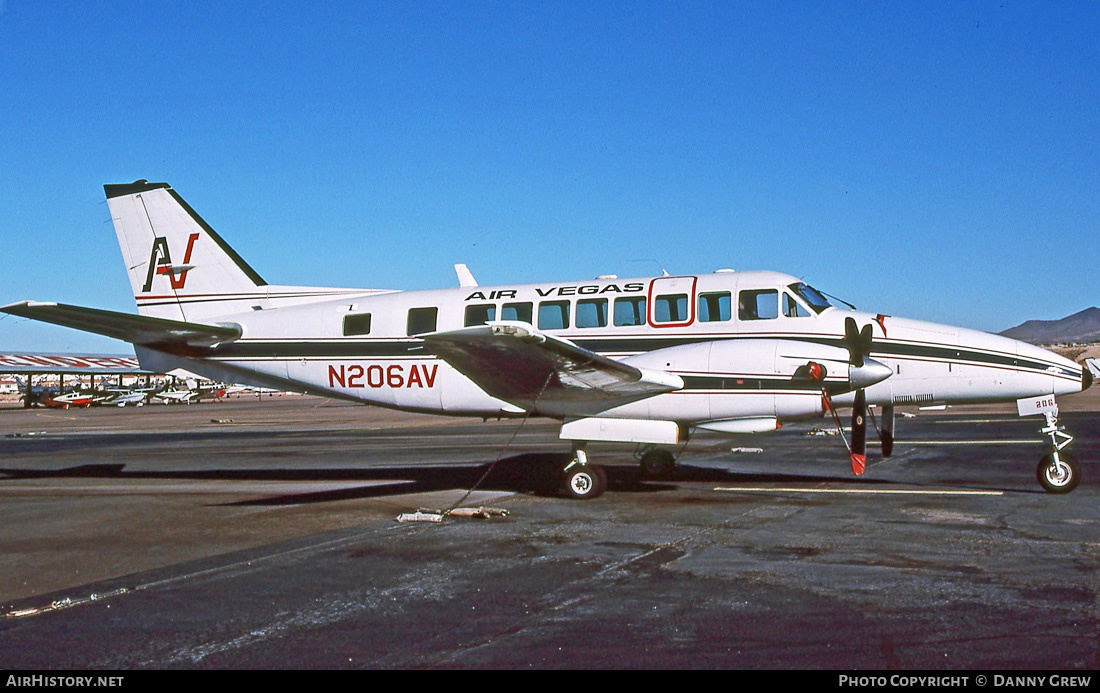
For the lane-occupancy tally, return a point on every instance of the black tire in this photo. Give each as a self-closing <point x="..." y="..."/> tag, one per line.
<point x="1058" y="478"/>
<point x="584" y="481"/>
<point x="657" y="464"/>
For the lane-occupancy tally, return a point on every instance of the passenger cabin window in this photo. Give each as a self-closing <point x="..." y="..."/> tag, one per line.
<point x="592" y="312"/>
<point x="630" y="311"/>
<point x="516" y="311"/>
<point x="758" y="305"/>
<point x="356" y="323"/>
<point x="792" y="309"/>
<point x="553" y="315"/>
<point x="480" y="314"/>
<point x="714" y="307"/>
<point x="671" y="308"/>
<point x="421" y="320"/>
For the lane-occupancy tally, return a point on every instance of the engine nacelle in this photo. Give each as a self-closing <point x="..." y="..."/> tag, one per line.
<point x="776" y="374"/>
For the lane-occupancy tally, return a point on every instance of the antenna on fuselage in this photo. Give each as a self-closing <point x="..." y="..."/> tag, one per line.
<point x="664" y="272"/>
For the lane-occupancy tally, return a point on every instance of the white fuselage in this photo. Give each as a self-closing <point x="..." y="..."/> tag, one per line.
<point x="734" y="337"/>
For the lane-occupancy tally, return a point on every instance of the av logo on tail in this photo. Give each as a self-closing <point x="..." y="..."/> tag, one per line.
<point x="160" y="262"/>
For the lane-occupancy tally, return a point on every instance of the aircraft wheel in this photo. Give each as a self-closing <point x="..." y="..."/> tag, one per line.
<point x="584" y="481"/>
<point x="1061" y="476"/>
<point x="657" y="464"/>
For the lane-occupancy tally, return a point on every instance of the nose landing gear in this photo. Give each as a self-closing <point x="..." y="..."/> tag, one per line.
<point x="1058" y="471"/>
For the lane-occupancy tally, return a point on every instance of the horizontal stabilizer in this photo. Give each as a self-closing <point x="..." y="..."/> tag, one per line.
<point x="136" y="329"/>
<point x="518" y="364"/>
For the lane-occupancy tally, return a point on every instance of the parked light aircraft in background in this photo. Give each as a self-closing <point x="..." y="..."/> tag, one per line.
<point x="62" y="365"/>
<point x="176" y="396"/>
<point x="121" y="397"/>
<point x="189" y="394"/>
<point x="643" y="360"/>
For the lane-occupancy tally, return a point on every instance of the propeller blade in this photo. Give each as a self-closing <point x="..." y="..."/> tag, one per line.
<point x="886" y="435"/>
<point x="857" y="341"/>
<point x="851" y="340"/>
<point x="859" y="433"/>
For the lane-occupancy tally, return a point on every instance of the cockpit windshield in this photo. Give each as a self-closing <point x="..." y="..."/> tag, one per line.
<point x="811" y="296"/>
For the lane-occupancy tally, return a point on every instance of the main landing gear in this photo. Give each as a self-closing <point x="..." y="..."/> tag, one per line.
<point x="581" y="480"/>
<point x="1058" y="471"/>
<point x="656" y="463"/>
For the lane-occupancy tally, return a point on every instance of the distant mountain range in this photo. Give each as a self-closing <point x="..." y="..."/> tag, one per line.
<point x="1079" y="327"/>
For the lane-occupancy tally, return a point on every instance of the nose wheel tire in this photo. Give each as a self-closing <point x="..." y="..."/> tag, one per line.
<point x="583" y="482"/>
<point x="1059" y="475"/>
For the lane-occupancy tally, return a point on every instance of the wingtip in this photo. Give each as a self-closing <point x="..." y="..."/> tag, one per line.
<point x="25" y="304"/>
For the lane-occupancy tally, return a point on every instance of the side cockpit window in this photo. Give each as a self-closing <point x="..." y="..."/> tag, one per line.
<point x="792" y="308"/>
<point x="762" y="304"/>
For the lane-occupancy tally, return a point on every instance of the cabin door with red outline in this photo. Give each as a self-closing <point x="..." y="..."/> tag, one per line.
<point x="671" y="301"/>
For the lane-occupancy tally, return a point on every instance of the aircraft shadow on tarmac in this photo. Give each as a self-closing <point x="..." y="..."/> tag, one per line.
<point x="532" y="474"/>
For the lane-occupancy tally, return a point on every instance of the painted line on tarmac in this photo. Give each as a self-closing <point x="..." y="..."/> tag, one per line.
<point x="974" y="421"/>
<point x="1029" y="441"/>
<point x="868" y="491"/>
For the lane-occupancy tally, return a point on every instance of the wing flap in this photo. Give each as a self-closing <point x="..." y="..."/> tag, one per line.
<point x="515" y="362"/>
<point x="136" y="329"/>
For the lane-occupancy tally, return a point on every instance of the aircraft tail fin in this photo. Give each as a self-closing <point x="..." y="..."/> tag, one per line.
<point x="179" y="267"/>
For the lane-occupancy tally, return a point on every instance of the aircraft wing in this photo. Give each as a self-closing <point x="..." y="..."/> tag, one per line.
<point x="136" y="329"/>
<point x="515" y="362"/>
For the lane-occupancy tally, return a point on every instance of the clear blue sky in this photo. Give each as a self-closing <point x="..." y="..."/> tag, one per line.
<point x="931" y="160"/>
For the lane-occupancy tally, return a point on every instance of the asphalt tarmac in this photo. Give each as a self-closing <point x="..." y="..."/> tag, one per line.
<point x="262" y="534"/>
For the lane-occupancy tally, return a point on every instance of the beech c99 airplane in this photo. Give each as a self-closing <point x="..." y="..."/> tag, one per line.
<point x="644" y="361"/>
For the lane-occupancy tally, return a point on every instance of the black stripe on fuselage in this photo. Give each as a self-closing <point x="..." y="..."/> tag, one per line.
<point x="152" y="301"/>
<point x="247" y="349"/>
<point x="882" y="349"/>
